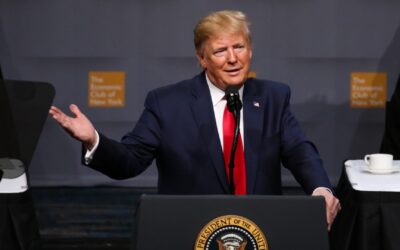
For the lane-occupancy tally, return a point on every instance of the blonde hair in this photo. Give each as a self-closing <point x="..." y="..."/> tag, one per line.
<point x="227" y="21"/>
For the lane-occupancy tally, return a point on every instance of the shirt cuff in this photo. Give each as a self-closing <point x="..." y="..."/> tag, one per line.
<point x="318" y="188"/>
<point x="90" y="153"/>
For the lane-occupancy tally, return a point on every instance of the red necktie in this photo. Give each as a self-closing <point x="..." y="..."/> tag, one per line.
<point x="239" y="173"/>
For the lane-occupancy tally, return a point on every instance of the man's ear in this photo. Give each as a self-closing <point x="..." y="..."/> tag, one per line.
<point x="201" y="60"/>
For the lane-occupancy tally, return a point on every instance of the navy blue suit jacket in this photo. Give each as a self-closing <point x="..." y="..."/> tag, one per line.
<point x="178" y="130"/>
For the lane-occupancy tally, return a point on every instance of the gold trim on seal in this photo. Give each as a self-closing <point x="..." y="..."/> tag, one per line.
<point x="234" y="221"/>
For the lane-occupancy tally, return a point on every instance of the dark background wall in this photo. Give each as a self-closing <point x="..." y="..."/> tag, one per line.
<point x="312" y="45"/>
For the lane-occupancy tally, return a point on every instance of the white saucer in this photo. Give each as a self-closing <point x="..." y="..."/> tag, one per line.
<point x="394" y="169"/>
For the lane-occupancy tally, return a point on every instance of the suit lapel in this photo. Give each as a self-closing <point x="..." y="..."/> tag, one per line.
<point x="253" y="117"/>
<point x="204" y="116"/>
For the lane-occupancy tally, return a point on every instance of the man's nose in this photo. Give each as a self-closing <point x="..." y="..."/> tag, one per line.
<point x="232" y="57"/>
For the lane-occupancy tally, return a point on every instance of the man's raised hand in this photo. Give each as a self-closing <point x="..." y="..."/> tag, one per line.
<point x="79" y="126"/>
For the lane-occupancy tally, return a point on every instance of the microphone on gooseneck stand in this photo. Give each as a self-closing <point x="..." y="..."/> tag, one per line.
<point x="234" y="106"/>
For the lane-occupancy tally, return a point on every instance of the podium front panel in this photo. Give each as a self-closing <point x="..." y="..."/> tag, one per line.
<point x="176" y="222"/>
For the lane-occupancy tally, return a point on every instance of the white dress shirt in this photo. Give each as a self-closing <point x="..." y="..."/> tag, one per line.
<point x="219" y="103"/>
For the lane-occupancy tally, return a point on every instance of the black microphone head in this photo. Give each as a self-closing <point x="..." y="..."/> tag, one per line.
<point x="232" y="89"/>
<point x="233" y="98"/>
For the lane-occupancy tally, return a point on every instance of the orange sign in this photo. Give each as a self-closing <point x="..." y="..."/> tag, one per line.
<point x="368" y="90"/>
<point x="106" y="89"/>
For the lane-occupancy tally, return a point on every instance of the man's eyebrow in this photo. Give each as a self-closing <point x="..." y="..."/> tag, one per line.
<point x="222" y="47"/>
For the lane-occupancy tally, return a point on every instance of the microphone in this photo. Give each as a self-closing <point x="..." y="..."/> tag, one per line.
<point x="234" y="106"/>
<point x="233" y="99"/>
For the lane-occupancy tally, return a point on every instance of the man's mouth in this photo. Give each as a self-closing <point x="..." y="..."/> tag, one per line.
<point x="233" y="72"/>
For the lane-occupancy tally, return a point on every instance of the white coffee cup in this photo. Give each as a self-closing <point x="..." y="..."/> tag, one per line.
<point x="379" y="161"/>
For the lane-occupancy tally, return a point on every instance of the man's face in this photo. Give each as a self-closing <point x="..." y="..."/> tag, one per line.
<point x="226" y="59"/>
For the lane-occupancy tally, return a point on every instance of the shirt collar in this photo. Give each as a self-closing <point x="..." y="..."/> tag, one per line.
<point x="217" y="94"/>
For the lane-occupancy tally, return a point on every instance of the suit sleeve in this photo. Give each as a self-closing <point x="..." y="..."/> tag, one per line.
<point x="299" y="155"/>
<point x="137" y="149"/>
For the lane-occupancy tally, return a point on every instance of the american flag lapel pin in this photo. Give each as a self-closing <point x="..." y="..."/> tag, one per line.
<point x="256" y="104"/>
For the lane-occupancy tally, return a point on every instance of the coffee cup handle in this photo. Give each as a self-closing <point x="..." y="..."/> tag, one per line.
<point x="366" y="159"/>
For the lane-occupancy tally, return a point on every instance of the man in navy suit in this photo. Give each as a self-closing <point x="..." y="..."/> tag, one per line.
<point x="182" y="126"/>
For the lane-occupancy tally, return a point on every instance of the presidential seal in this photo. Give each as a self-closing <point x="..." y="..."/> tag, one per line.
<point x="231" y="232"/>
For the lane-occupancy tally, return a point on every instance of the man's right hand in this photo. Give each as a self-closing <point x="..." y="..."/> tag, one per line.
<point x="79" y="127"/>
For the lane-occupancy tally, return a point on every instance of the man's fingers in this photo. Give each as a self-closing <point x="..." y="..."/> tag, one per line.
<point x="77" y="125"/>
<point x="60" y="117"/>
<point x="333" y="207"/>
<point x="332" y="204"/>
<point x="54" y="111"/>
<point x="75" y="110"/>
